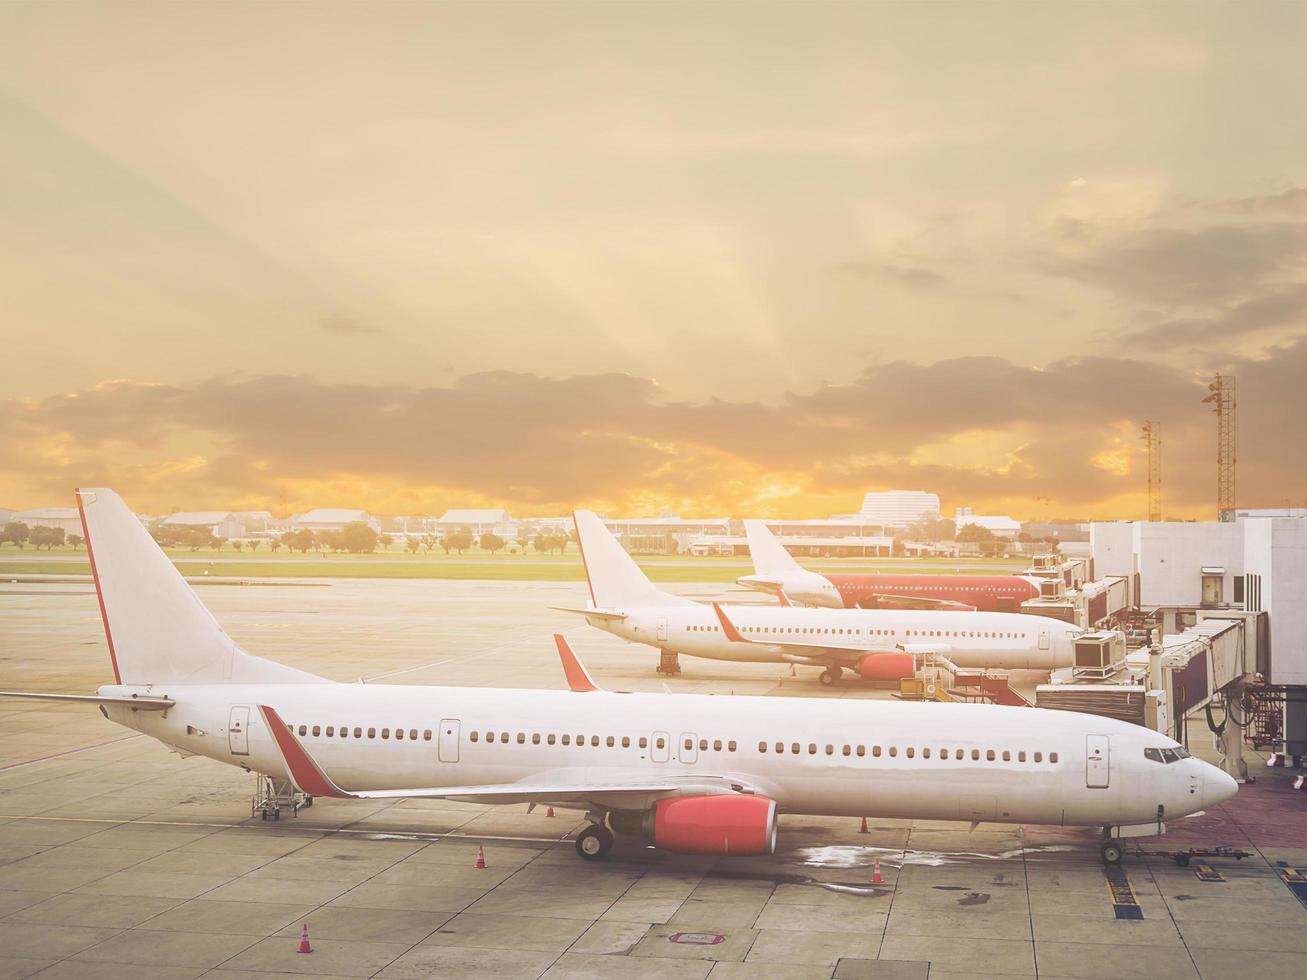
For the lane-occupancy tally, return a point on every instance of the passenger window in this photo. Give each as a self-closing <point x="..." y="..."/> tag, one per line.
<point x="689" y="744"/>
<point x="762" y="746"/>
<point x="611" y="741"/>
<point x="331" y="730"/>
<point x="910" y="751"/>
<point x="473" y="736"/>
<point x="1007" y="756"/>
<point x="567" y="739"/>
<point x="358" y="733"/>
<point x="875" y="751"/>
<point x="372" y="733"/>
<point x="385" y="733"/>
<point x="943" y="754"/>
<point x="304" y="729"/>
<point x="893" y="751"/>
<point x="703" y="745"/>
<point x="925" y="753"/>
<point x="812" y="748"/>
<point x="503" y="738"/>
<point x="780" y="747"/>
<point x="413" y="734"/>
<point x="794" y="748"/>
<point x="521" y="738"/>
<point x="1021" y="757"/>
<point x="550" y="739"/>
<point x="717" y="745"/>
<point x="399" y="733"/>
<point x="644" y="742"/>
<point x="317" y="730"/>
<point x="847" y="750"/>
<point x="594" y="741"/>
<point x="989" y="755"/>
<point x="535" y="738"/>
<point x="660" y="742"/>
<point x="830" y="749"/>
<point x="730" y="746"/>
<point x="975" y="755"/>
<point x="626" y="741"/>
<point x="862" y="750"/>
<point x="1039" y="756"/>
<point x="1052" y="757"/>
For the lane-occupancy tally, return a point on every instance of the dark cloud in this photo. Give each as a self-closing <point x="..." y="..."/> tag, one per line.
<point x="346" y="325"/>
<point x="913" y="276"/>
<point x="1292" y="201"/>
<point x="546" y="443"/>
<point x="1189" y="266"/>
<point x="1285" y="306"/>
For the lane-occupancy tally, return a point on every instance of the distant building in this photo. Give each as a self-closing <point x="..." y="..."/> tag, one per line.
<point x="66" y="519"/>
<point x="999" y="524"/>
<point x="221" y="523"/>
<point x="479" y="521"/>
<point x="899" y="508"/>
<point x="666" y="533"/>
<point x="5" y="515"/>
<point x="1256" y="512"/>
<point x="333" y="519"/>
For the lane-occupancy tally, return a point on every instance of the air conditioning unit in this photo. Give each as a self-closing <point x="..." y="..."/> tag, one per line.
<point x="1052" y="588"/>
<point x="1098" y="655"/>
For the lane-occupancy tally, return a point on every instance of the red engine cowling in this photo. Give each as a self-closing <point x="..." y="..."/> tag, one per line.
<point x="739" y="825"/>
<point x="886" y="666"/>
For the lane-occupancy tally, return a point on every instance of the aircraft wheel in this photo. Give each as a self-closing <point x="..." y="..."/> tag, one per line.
<point x="1111" y="852"/>
<point x="830" y="675"/>
<point x="594" y="843"/>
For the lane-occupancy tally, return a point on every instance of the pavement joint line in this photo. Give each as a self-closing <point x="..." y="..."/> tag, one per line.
<point x="1030" y="906"/>
<point x="898" y="879"/>
<point x="60" y="755"/>
<point x="1171" y="915"/>
<point x="450" y="660"/>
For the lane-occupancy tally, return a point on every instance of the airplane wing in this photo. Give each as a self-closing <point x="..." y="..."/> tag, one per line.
<point x="817" y="651"/>
<point x="143" y="703"/>
<point x="879" y="600"/>
<point x="619" y="790"/>
<point x="590" y="613"/>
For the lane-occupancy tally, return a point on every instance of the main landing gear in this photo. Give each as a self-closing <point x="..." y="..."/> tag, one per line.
<point x="1111" y="851"/>
<point x="831" y="675"/>
<point x="594" y="843"/>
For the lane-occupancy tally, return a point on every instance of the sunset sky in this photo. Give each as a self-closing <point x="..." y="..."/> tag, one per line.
<point x="741" y="259"/>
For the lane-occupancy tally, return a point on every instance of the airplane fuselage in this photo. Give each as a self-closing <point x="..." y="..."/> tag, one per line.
<point x="827" y="757"/>
<point x="1008" y="641"/>
<point x="871" y="590"/>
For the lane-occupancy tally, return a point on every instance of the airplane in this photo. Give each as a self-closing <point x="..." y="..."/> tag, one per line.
<point x="878" y="644"/>
<point x="695" y="774"/>
<point x="777" y="573"/>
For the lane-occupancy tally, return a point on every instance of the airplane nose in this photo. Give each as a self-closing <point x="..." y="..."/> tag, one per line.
<point x="1218" y="786"/>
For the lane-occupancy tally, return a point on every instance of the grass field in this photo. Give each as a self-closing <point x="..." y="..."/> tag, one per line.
<point x="516" y="568"/>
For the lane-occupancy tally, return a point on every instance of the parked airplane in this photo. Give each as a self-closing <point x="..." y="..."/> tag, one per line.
<point x="879" y="644"/>
<point x="777" y="573"/>
<point x="690" y="773"/>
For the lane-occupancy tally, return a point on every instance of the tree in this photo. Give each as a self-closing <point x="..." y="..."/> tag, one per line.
<point x="491" y="542"/>
<point x="274" y="543"/>
<point x="237" y="545"/>
<point x="17" y="532"/>
<point x="412" y="544"/>
<point x="75" y="540"/>
<point x="385" y="540"/>
<point x="459" y="541"/>
<point x="45" y="537"/>
<point x="974" y="532"/>
<point x="357" y="537"/>
<point x="429" y="542"/>
<point x="254" y="545"/>
<point x="301" y="540"/>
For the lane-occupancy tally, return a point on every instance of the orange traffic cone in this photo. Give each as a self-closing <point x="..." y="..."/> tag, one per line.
<point x="549" y="812"/>
<point x="876" y="877"/>
<point x="863" y="828"/>
<point x="481" y="858"/>
<point x="304" y="946"/>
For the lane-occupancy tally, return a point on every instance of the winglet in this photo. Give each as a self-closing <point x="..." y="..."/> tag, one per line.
<point x="728" y="627"/>
<point x="785" y="600"/>
<point x="304" y="772"/>
<point x="578" y="678"/>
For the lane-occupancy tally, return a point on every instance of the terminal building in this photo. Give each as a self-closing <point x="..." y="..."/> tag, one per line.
<point x="899" y="508"/>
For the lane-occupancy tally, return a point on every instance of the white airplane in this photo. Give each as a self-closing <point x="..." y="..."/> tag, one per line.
<point x="879" y="644"/>
<point x="689" y="773"/>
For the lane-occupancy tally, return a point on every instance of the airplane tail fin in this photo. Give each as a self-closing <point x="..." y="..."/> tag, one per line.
<point x="616" y="581"/>
<point x="768" y="554"/>
<point x="157" y="629"/>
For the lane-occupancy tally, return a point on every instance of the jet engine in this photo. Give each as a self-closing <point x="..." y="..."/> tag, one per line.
<point x="735" y="825"/>
<point x="886" y="666"/>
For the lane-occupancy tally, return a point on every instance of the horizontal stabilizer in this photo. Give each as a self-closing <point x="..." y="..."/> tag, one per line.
<point x="144" y="704"/>
<point x="592" y="613"/>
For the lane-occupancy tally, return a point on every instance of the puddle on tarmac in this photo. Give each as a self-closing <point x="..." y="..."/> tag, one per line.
<point x="845" y="856"/>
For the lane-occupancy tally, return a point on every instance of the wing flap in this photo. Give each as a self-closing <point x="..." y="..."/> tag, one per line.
<point x="141" y="703"/>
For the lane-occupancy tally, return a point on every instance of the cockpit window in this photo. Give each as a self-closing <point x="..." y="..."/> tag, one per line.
<point x="1167" y="756"/>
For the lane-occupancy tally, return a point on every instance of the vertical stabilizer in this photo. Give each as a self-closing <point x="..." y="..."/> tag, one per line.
<point x="768" y="554"/>
<point x="157" y="629"/>
<point x="616" y="581"/>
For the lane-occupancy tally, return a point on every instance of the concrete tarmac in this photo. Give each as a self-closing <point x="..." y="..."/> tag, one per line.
<point x="118" y="858"/>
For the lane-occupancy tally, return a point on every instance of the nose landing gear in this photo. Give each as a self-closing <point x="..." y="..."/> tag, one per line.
<point x="1111" y="851"/>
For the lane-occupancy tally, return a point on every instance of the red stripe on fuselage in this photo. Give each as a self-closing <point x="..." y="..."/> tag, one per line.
<point x="303" y="770"/>
<point x="981" y="591"/>
<point x="95" y="577"/>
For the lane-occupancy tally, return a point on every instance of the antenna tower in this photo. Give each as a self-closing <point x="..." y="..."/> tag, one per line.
<point x="1152" y="436"/>
<point x="1223" y="404"/>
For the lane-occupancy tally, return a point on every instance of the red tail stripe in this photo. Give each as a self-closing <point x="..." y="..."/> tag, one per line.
<point x="728" y="627"/>
<point x="99" y="594"/>
<point x="577" y="678"/>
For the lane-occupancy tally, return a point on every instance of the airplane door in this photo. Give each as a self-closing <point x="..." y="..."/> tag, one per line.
<point x="238" y="730"/>
<point x="449" y="739"/>
<point x="688" y="748"/>
<point x="1045" y="638"/>
<point x="662" y="628"/>
<point x="1097" y="761"/>
<point x="661" y="751"/>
